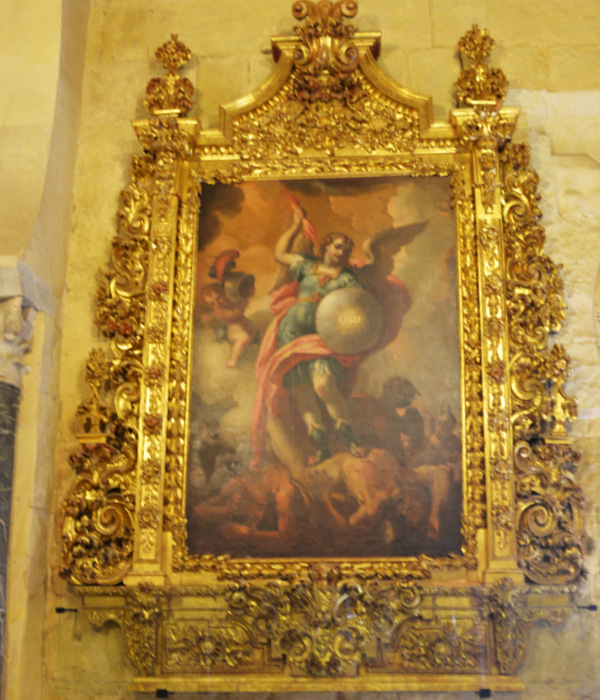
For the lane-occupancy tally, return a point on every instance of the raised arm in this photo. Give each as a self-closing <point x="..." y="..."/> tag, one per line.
<point x="281" y="247"/>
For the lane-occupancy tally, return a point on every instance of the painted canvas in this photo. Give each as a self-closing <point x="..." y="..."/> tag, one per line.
<point x="325" y="410"/>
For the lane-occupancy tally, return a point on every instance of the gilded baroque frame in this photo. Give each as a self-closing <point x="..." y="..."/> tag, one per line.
<point x="213" y="622"/>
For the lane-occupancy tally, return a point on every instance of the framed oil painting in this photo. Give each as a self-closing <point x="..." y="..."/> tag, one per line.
<point x="327" y="441"/>
<point x="325" y="395"/>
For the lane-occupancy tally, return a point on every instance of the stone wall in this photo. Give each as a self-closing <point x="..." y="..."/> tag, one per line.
<point x="550" y="54"/>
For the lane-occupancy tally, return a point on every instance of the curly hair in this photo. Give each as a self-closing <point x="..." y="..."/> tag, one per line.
<point x="331" y="237"/>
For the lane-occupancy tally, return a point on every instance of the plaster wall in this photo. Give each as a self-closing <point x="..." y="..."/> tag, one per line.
<point x="550" y="57"/>
<point x="29" y="60"/>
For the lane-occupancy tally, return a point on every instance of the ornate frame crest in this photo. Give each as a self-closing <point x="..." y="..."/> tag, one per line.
<point x="214" y="622"/>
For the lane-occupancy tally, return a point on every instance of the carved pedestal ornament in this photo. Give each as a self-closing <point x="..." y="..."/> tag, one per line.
<point x="430" y="616"/>
<point x="16" y="321"/>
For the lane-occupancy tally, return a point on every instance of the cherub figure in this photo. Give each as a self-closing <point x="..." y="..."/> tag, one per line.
<point x="222" y="305"/>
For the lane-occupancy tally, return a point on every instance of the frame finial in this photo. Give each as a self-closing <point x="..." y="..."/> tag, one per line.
<point x="479" y="85"/>
<point x="171" y="94"/>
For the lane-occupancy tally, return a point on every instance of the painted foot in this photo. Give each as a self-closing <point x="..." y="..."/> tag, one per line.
<point x="318" y="457"/>
<point x="358" y="450"/>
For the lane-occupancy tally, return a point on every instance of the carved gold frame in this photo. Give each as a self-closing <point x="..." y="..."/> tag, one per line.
<point x="216" y="623"/>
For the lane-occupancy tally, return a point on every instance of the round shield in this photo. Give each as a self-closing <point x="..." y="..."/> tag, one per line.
<point x="349" y="320"/>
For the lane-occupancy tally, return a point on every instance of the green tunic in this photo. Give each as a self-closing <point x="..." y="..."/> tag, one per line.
<point x="300" y="319"/>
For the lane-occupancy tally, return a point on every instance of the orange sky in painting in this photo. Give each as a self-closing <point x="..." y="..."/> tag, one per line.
<point x="267" y="211"/>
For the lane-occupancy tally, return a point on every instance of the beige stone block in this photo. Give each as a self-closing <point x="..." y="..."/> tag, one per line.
<point x="451" y="20"/>
<point x="573" y="67"/>
<point x="77" y="346"/>
<point x="568" y="119"/>
<point x="45" y="251"/>
<point x="549" y="670"/>
<point x="95" y="34"/>
<point x="103" y="172"/>
<point x="588" y="473"/>
<point x="227" y="27"/>
<point x="589" y="428"/>
<point x="578" y="385"/>
<point x="260" y="68"/>
<point x="578" y="183"/>
<point x="434" y="72"/>
<point x="573" y="128"/>
<point x="581" y="375"/>
<point x="531" y="124"/>
<point x="513" y="22"/>
<point x="116" y="93"/>
<point x="33" y="33"/>
<point x="525" y="67"/>
<point x="404" y="24"/>
<point x="220" y="80"/>
<point x="221" y="28"/>
<point x="395" y="63"/>
<point x="86" y="663"/>
<point x="121" y="30"/>
<point x="32" y="495"/>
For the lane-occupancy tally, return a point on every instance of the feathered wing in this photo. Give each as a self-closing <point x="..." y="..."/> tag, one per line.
<point x="381" y="248"/>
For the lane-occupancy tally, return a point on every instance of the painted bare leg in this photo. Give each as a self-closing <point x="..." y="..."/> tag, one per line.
<point x="437" y="477"/>
<point x="238" y="348"/>
<point x="327" y="390"/>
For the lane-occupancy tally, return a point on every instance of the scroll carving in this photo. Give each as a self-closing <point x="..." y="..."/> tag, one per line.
<point x="16" y="323"/>
<point x="327" y="50"/>
<point x="324" y="625"/>
<point x="550" y="503"/>
<point x="206" y="646"/>
<point x="445" y="646"/>
<point x="484" y="131"/>
<point x="358" y="117"/>
<point x="98" y="527"/>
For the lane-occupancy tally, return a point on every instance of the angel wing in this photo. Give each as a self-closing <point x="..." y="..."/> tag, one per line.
<point x="381" y="248"/>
